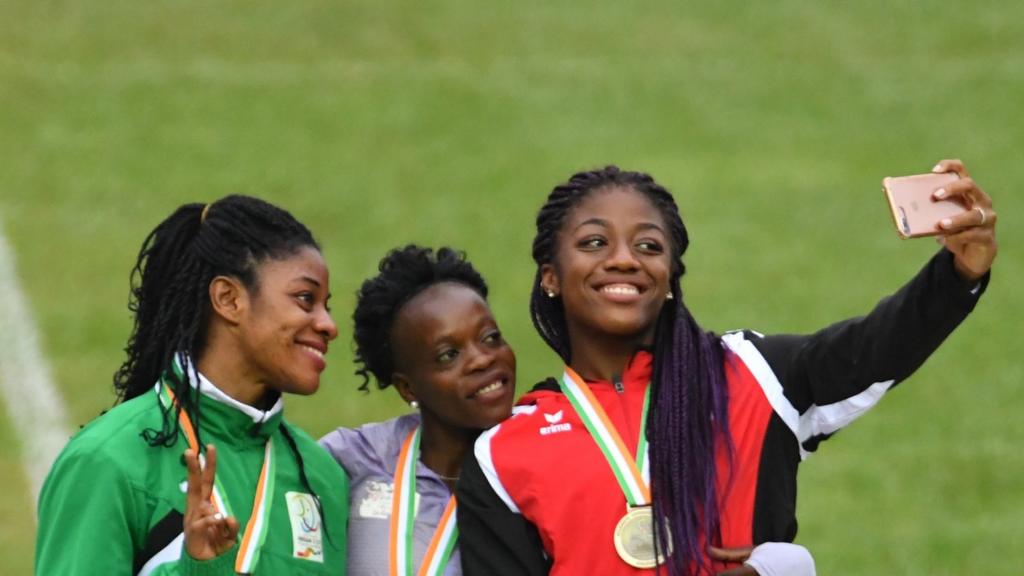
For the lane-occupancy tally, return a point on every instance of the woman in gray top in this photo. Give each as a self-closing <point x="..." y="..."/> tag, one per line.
<point x="423" y="326"/>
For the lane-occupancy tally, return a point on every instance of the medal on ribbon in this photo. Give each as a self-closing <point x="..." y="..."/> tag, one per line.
<point x="403" y="520"/>
<point x="634" y="533"/>
<point x="255" y="533"/>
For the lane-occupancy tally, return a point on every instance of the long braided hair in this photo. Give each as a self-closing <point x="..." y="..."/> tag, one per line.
<point x="688" y="410"/>
<point x="170" y="299"/>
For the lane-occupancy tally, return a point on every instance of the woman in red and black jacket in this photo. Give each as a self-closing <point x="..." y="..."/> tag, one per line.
<point x="656" y="418"/>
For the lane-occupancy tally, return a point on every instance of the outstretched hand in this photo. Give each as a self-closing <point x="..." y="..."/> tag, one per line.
<point x="970" y="236"/>
<point x="208" y="533"/>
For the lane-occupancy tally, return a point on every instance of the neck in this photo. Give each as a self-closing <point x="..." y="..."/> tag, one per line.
<point x="227" y="371"/>
<point x="597" y="358"/>
<point x="444" y="447"/>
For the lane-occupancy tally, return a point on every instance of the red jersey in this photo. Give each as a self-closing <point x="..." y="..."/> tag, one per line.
<point x="526" y="457"/>
<point x="539" y="497"/>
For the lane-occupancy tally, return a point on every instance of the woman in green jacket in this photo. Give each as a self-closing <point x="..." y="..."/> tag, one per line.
<point x="230" y="310"/>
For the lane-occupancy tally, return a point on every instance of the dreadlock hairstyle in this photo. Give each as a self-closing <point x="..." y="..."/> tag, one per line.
<point x="688" y="397"/>
<point x="170" y="296"/>
<point x="404" y="273"/>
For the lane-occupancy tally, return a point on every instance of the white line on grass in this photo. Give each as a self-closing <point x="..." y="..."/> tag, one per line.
<point x="35" y="406"/>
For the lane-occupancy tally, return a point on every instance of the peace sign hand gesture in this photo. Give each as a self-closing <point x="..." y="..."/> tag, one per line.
<point x="208" y="533"/>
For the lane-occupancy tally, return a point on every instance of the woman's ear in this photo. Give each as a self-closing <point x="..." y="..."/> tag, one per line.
<point x="549" y="280"/>
<point x="228" y="298"/>
<point x="404" y="388"/>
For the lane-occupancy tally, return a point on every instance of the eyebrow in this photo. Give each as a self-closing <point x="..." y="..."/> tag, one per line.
<point x="604" y="223"/>
<point x="597" y="221"/>
<point x="650" y="226"/>
<point x="450" y="335"/>
<point x="310" y="279"/>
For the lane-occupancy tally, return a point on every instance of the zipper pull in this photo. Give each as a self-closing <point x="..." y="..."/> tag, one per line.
<point x="617" y="381"/>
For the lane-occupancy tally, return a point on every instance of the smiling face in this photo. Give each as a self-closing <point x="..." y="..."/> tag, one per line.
<point x="450" y="357"/>
<point x="285" y="326"/>
<point x="612" y="266"/>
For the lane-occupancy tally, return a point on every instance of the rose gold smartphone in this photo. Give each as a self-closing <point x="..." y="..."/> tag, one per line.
<point x="913" y="209"/>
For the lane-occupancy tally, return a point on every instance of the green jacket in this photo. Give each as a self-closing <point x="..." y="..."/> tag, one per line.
<point x="112" y="502"/>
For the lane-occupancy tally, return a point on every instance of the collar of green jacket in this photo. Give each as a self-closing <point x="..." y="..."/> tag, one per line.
<point x="227" y="418"/>
<point x="235" y="422"/>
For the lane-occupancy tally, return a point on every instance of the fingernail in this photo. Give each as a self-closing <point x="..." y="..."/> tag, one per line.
<point x="946" y="223"/>
<point x="218" y="516"/>
<point x="937" y="168"/>
<point x="940" y="193"/>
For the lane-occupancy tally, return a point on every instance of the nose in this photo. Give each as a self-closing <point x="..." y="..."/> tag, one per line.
<point x="324" y="325"/>
<point x="481" y="358"/>
<point x="621" y="257"/>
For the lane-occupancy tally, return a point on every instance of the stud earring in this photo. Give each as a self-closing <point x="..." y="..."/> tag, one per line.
<point x="414" y="405"/>
<point x="669" y="296"/>
<point x="551" y="293"/>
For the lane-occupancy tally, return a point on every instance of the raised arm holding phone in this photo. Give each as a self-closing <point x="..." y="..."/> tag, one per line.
<point x="678" y="448"/>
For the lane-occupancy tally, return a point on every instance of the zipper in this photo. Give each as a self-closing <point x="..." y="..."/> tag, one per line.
<point x="629" y="435"/>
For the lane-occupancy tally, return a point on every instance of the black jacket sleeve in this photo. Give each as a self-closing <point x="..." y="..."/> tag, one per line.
<point x="846" y="358"/>
<point x="493" y="540"/>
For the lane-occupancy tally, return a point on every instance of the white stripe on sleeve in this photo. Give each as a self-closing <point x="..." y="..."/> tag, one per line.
<point x="764" y="375"/>
<point x="827" y="419"/>
<point x="816" y="420"/>
<point x="482" y="450"/>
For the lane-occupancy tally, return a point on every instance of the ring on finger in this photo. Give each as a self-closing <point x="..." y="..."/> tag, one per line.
<point x="984" y="217"/>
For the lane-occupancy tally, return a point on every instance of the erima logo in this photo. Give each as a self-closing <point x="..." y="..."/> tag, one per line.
<point x="555" y="427"/>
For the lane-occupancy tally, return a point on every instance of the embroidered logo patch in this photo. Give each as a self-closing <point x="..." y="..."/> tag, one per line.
<point x="555" y="424"/>
<point x="307" y="529"/>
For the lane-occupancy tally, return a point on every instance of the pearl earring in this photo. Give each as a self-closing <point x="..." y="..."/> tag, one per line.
<point x="551" y="293"/>
<point x="414" y="405"/>
<point x="669" y="296"/>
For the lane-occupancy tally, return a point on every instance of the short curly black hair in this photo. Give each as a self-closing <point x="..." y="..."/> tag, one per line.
<point x="404" y="273"/>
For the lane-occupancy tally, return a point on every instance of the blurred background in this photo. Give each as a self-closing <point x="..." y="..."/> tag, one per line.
<point x="447" y="122"/>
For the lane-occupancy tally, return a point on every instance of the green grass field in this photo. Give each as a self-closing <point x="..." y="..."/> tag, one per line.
<point x="380" y="123"/>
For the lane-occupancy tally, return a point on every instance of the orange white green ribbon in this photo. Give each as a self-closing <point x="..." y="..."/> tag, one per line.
<point x="632" y="474"/>
<point x="256" y="528"/>
<point x="403" y="520"/>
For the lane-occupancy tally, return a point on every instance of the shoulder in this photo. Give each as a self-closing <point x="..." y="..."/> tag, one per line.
<point x="527" y="412"/>
<point x="110" y="451"/>
<point x="116" y="435"/>
<point x="746" y="347"/>
<point x="734" y="340"/>
<point x="516" y="448"/>
<point x="371" y="448"/>
<point x="322" y="470"/>
<point x="517" y="436"/>
<point x="748" y="358"/>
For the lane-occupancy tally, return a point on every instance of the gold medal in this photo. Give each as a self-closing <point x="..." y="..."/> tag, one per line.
<point x="634" y="534"/>
<point x="634" y="538"/>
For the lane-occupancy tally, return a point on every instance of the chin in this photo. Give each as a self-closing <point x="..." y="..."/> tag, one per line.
<point x="491" y="420"/>
<point x="626" y="328"/>
<point x="306" y="388"/>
